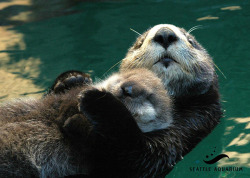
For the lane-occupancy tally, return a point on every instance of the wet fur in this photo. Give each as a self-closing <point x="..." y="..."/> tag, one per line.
<point x="122" y="150"/>
<point x="34" y="140"/>
<point x="78" y="132"/>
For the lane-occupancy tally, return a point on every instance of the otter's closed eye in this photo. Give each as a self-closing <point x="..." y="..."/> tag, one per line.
<point x="139" y="43"/>
<point x="191" y="41"/>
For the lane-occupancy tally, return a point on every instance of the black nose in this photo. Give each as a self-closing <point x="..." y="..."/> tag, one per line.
<point x="165" y="37"/>
<point x="127" y="90"/>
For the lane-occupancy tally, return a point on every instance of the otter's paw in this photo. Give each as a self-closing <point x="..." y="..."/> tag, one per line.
<point x="98" y="104"/>
<point x="77" y="127"/>
<point x="68" y="80"/>
<point x="109" y="116"/>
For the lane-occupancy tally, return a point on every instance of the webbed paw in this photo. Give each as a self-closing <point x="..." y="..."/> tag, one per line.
<point x="109" y="116"/>
<point x="95" y="102"/>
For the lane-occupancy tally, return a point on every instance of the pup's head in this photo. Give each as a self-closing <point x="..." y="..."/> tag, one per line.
<point x="144" y="95"/>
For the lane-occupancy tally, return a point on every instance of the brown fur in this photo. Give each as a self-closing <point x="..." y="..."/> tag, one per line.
<point x="50" y="137"/>
<point x="148" y="97"/>
<point x="32" y="141"/>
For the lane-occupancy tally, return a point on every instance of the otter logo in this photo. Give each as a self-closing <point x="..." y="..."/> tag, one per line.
<point x="216" y="159"/>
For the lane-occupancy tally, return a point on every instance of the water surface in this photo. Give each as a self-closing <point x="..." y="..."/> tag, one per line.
<point x="39" y="39"/>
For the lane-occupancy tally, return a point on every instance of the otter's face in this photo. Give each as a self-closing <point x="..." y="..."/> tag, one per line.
<point x="145" y="97"/>
<point x="175" y="56"/>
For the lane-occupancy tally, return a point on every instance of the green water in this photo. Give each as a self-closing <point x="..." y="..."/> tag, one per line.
<point x="40" y="39"/>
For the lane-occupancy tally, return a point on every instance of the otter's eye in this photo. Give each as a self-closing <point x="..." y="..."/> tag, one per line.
<point x="191" y="41"/>
<point x="139" y="44"/>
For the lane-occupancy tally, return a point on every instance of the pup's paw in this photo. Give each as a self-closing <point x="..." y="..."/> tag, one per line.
<point x="93" y="100"/>
<point x="108" y="114"/>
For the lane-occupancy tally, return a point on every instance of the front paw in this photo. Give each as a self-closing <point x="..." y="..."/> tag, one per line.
<point x="93" y="101"/>
<point x="109" y="116"/>
<point x="100" y="104"/>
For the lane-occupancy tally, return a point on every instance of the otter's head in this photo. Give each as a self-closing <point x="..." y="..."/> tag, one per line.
<point x="175" y="56"/>
<point x="143" y="93"/>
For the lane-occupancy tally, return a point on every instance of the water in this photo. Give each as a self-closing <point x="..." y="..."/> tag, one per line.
<point x="39" y="39"/>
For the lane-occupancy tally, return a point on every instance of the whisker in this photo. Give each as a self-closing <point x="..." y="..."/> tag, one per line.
<point x="97" y="80"/>
<point x="136" y="64"/>
<point x="219" y="70"/>
<point x="111" y="67"/>
<point x="195" y="28"/>
<point x="134" y="31"/>
<point x="140" y="62"/>
<point x="128" y="65"/>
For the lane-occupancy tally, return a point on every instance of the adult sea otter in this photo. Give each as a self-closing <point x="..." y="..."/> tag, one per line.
<point x="188" y="74"/>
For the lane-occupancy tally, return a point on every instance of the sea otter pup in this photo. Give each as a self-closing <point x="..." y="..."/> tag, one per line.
<point x="88" y="130"/>
<point x="188" y="74"/>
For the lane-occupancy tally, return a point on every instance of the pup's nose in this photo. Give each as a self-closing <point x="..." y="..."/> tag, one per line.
<point x="127" y="90"/>
<point x="165" y="37"/>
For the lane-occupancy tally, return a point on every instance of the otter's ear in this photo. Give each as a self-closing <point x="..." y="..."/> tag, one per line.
<point x="77" y="127"/>
<point x="68" y="80"/>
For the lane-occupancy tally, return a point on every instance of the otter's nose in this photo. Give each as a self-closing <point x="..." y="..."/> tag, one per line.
<point x="127" y="90"/>
<point x="165" y="37"/>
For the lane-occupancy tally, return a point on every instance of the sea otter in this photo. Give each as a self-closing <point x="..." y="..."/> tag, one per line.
<point x="188" y="74"/>
<point x="88" y="130"/>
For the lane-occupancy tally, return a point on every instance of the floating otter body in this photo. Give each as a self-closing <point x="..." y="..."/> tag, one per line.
<point x="187" y="72"/>
<point x="85" y="131"/>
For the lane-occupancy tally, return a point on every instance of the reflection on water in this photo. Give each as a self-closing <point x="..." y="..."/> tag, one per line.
<point x="12" y="83"/>
<point x="16" y="12"/>
<point x="231" y="8"/>
<point x="39" y="39"/>
<point x="235" y="159"/>
<point x="236" y="143"/>
<point x="209" y="17"/>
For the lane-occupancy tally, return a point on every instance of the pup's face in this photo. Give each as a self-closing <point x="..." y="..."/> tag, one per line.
<point x="145" y="97"/>
<point x="174" y="55"/>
